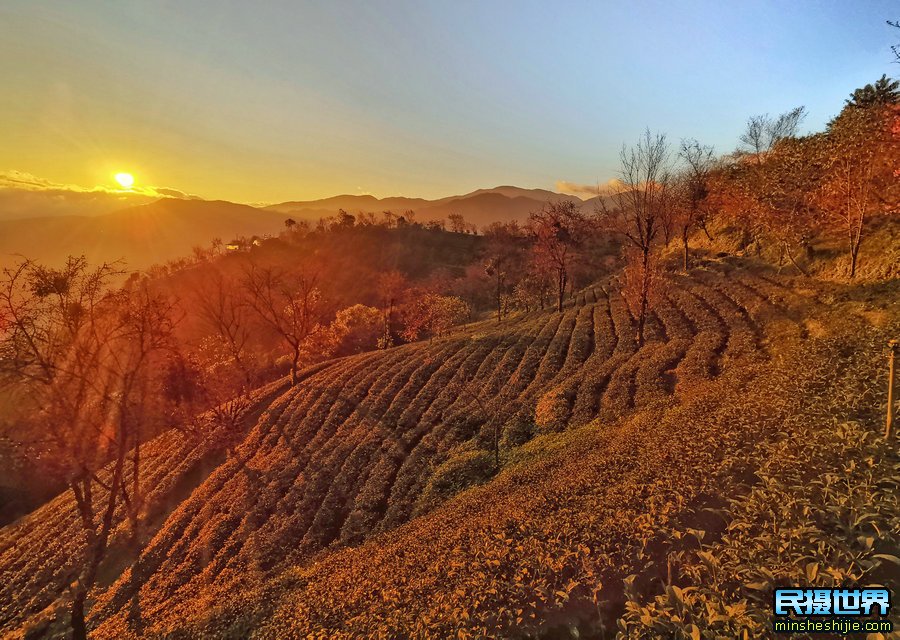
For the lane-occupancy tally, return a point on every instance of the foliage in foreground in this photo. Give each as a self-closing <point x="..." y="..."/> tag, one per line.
<point x="824" y="511"/>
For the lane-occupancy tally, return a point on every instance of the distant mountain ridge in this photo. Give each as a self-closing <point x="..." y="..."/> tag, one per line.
<point x="146" y="234"/>
<point x="483" y="206"/>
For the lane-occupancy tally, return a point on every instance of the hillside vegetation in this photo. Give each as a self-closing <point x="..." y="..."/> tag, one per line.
<point x="675" y="520"/>
<point x="363" y="444"/>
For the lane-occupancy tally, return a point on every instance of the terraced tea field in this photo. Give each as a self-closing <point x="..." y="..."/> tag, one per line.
<point x="351" y="450"/>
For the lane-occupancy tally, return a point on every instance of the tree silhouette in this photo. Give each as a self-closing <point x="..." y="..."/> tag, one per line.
<point x="895" y="48"/>
<point x="764" y="132"/>
<point x="559" y="229"/>
<point x="693" y="189"/>
<point x="859" y="173"/>
<point x="287" y="302"/>
<point x="222" y="306"/>
<point x="88" y="355"/>
<point x="884" y="91"/>
<point x="636" y="209"/>
<point x="503" y="256"/>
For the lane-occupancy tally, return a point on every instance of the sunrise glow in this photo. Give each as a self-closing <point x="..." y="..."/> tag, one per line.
<point x="126" y="180"/>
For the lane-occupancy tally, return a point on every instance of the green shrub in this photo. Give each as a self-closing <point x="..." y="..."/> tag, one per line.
<point x="466" y="467"/>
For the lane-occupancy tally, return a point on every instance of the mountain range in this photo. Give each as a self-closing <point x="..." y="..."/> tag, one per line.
<point x="168" y="228"/>
<point x="481" y="207"/>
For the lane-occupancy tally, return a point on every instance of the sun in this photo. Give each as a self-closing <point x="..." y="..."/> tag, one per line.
<point x="125" y="179"/>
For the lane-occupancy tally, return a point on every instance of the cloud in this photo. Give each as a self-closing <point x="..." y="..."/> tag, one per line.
<point x="588" y="190"/>
<point x="175" y="193"/>
<point x="23" y="195"/>
<point x="13" y="179"/>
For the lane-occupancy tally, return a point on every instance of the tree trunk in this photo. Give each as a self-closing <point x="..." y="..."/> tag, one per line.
<point x="855" y="242"/>
<point x="85" y="583"/>
<point x="294" y="366"/>
<point x="645" y="295"/>
<point x="248" y="379"/>
<point x="79" y="628"/>
<point x="96" y="551"/>
<point x="790" y="256"/>
<point x="97" y="542"/>
<point x="641" y="321"/>
<point x="684" y="239"/>
<point x="386" y="333"/>
<point x="562" y="290"/>
<point x="135" y="511"/>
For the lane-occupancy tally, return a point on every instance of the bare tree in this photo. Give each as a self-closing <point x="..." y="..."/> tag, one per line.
<point x="896" y="47"/>
<point x="640" y="282"/>
<point x="859" y="173"/>
<point x="87" y="356"/>
<point x="533" y="290"/>
<point x="224" y="309"/>
<point x="781" y="197"/>
<point x="764" y="132"/>
<point x="778" y="180"/>
<point x="287" y="303"/>
<point x="147" y="323"/>
<point x="204" y="401"/>
<point x="559" y="230"/>
<point x="503" y="253"/>
<point x="693" y="183"/>
<point x="669" y="211"/>
<point x="853" y="184"/>
<point x="636" y="207"/>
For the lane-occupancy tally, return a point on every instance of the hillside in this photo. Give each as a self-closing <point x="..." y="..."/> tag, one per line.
<point x="676" y="522"/>
<point x="141" y="235"/>
<point x="364" y="444"/>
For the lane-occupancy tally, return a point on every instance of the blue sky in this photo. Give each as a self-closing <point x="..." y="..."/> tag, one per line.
<point x="291" y="100"/>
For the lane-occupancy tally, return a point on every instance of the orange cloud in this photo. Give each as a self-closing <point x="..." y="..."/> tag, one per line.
<point x="588" y="190"/>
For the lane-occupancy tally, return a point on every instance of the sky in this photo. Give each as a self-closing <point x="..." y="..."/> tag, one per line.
<point x="273" y="101"/>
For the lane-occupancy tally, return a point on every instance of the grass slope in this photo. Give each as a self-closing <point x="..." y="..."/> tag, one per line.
<point x="632" y="440"/>
<point x="675" y="522"/>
